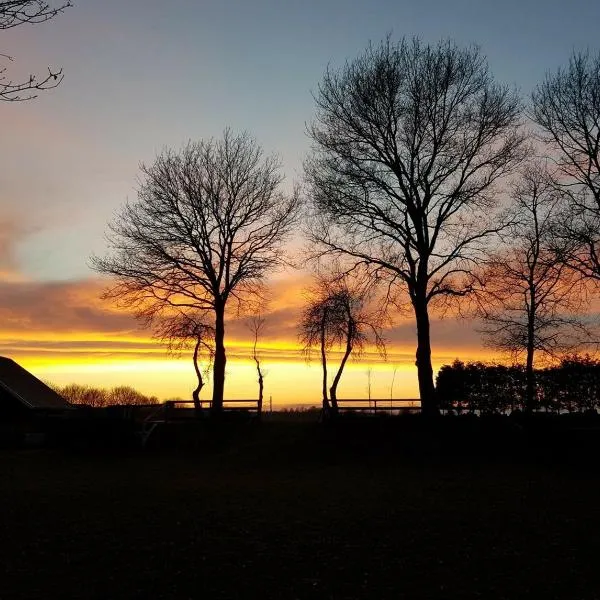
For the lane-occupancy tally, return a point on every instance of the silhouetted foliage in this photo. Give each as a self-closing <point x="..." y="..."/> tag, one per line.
<point x="567" y="108"/>
<point x="477" y="386"/>
<point x="530" y="297"/>
<point x="571" y="386"/>
<point x="409" y="142"/>
<point x="21" y="12"/>
<point x="209" y="223"/>
<point x="99" y="397"/>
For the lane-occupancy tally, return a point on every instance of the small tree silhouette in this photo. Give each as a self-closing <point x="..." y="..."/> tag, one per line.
<point x="256" y="326"/>
<point x="337" y="316"/>
<point x="184" y="331"/>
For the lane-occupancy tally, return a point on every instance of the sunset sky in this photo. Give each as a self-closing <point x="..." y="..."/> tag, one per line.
<point x="143" y="75"/>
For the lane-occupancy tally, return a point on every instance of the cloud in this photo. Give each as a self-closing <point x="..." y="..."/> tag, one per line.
<point x="13" y="229"/>
<point x="446" y="334"/>
<point x="27" y="308"/>
<point x="68" y="321"/>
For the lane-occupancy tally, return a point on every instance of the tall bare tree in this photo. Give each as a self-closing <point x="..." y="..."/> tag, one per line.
<point x="409" y="142"/>
<point x="208" y="225"/>
<point x="531" y="298"/>
<point x="337" y="316"/>
<point x="567" y="108"/>
<point x="21" y="12"/>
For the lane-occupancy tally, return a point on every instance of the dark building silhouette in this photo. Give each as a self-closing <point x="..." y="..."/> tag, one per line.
<point x="24" y="397"/>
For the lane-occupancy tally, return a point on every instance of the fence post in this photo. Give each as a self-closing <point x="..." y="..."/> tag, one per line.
<point x="169" y="404"/>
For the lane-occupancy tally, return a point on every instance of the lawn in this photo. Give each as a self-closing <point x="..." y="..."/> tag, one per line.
<point x="296" y="511"/>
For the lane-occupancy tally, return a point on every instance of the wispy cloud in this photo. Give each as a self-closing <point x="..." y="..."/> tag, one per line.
<point x="67" y="321"/>
<point x="27" y="308"/>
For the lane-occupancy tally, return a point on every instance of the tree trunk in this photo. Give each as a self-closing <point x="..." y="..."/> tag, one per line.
<point x="338" y="375"/>
<point x="196" y="392"/>
<point x="219" y="362"/>
<point x="423" y="355"/>
<point x="260" y="386"/>
<point x="326" y="406"/>
<point x="529" y="374"/>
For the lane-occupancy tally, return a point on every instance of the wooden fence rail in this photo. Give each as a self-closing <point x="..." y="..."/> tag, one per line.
<point x="378" y="405"/>
<point x="178" y="409"/>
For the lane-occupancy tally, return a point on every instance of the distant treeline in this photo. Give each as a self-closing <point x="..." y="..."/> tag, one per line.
<point x="572" y="386"/>
<point x="99" y="397"/>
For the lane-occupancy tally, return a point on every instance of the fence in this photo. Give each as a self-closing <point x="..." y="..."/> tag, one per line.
<point x="392" y="406"/>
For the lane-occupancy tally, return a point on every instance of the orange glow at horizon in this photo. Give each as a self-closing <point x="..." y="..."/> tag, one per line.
<point x="64" y="333"/>
<point x="290" y="379"/>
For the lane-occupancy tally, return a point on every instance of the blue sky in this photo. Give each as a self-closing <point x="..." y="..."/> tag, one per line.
<point x="141" y="75"/>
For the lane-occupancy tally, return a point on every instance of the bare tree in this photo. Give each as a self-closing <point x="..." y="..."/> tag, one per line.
<point x="84" y="394"/>
<point x="409" y="142"/>
<point x="567" y="107"/>
<point x="256" y="326"/>
<point x="531" y="297"/>
<point x="20" y="12"/>
<point x="99" y="397"/>
<point x="337" y="316"/>
<point x="208" y="225"/>
<point x="182" y="332"/>
<point x="127" y="395"/>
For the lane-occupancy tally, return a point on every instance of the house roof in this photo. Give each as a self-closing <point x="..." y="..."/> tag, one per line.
<point x="28" y="389"/>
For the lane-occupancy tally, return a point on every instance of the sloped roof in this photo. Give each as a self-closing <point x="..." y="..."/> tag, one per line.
<point x="28" y="389"/>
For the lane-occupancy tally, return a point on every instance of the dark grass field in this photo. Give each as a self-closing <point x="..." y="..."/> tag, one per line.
<point x="294" y="510"/>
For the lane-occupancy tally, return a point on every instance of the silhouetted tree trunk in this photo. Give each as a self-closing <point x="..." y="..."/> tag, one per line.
<point x="261" y="387"/>
<point x="529" y="364"/>
<point x="323" y="333"/>
<point x="338" y="375"/>
<point x="220" y="360"/>
<point x="423" y="355"/>
<point x="198" y="389"/>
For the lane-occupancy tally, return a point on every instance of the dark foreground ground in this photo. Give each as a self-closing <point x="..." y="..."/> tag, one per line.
<point x="293" y="510"/>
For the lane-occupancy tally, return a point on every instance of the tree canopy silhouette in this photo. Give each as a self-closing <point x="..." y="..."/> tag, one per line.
<point x="573" y="385"/>
<point x="567" y="108"/>
<point x="208" y="224"/>
<point x="531" y="298"/>
<point x="21" y="12"/>
<point x="409" y="142"/>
